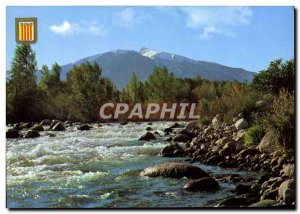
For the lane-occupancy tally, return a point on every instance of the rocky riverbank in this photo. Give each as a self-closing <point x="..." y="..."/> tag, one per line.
<point x="223" y="145"/>
<point x="216" y="144"/>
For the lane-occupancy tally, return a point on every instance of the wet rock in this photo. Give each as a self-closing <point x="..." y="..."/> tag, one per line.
<point x="174" y="170"/>
<point x="59" y="127"/>
<point x="149" y="128"/>
<point x="234" y="202"/>
<point x="243" y="188"/>
<point x="203" y="184"/>
<point x="172" y="150"/>
<point x="168" y="130"/>
<point x="31" y="134"/>
<point x="84" y="127"/>
<point x="181" y="138"/>
<point x="288" y="196"/>
<point x="46" y="122"/>
<point x="12" y="133"/>
<point x="192" y="125"/>
<point x="265" y="203"/>
<point x="225" y="152"/>
<point x="216" y="159"/>
<point x="250" y="152"/>
<point x="123" y="123"/>
<point x="241" y="124"/>
<point x="38" y="128"/>
<point x="147" y="136"/>
<point x="175" y="125"/>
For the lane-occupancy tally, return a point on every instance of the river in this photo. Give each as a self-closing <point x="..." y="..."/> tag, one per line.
<point x="98" y="168"/>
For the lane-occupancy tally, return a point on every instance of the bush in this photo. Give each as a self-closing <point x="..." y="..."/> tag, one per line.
<point x="281" y="119"/>
<point x="254" y="134"/>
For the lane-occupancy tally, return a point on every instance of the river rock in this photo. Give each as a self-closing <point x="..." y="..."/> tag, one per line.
<point x="241" y="124"/>
<point x="149" y="128"/>
<point x="172" y="150"/>
<point x="38" y="128"/>
<point x="181" y="138"/>
<point x="234" y="202"/>
<point x="288" y="196"/>
<point x="59" y="127"/>
<point x="84" y="127"/>
<point x="147" y="136"/>
<point x="174" y="170"/>
<point x="12" y="133"/>
<point x="225" y="152"/>
<point x="216" y="120"/>
<point x="265" y="203"/>
<point x="288" y="184"/>
<point x="175" y="125"/>
<point x="216" y="159"/>
<point x="270" y="194"/>
<point x="249" y="151"/>
<point x="46" y="122"/>
<point x="289" y="170"/>
<point x="269" y="143"/>
<point x="203" y="184"/>
<point x="192" y="125"/>
<point x="31" y="134"/>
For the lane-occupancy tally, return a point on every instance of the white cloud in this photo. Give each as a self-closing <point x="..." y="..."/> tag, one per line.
<point x="216" y="20"/>
<point x="125" y="18"/>
<point x="128" y="18"/>
<point x="67" y="28"/>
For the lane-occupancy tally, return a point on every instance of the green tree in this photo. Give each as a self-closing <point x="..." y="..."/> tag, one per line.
<point x="279" y="75"/>
<point x="163" y="86"/>
<point x="134" y="90"/>
<point x="88" y="91"/>
<point x="22" y="92"/>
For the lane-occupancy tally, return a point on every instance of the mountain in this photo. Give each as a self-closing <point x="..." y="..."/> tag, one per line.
<point x="118" y="65"/>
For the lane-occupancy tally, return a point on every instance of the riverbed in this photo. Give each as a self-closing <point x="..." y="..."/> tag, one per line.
<point x="99" y="168"/>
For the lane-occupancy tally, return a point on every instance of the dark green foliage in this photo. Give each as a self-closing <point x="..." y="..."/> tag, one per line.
<point x="278" y="75"/>
<point x="133" y="91"/>
<point x="282" y="118"/>
<point x="254" y="134"/>
<point x="22" y="93"/>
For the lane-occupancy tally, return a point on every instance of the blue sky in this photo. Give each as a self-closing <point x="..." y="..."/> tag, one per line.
<point x="244" y="37"/>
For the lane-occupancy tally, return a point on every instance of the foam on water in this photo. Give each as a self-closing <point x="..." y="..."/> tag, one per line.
<point x="96" y="168"/>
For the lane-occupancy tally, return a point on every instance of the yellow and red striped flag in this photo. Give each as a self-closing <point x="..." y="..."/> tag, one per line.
<point x="26" y="30"/>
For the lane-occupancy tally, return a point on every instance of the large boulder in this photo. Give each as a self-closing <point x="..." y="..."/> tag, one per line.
<point x="288" y="184"/>
<point x="174" y="170"/>
<point x="265" y="203"/>
<point x="241" y="124"/>
<point x="37" y="127"/>
<point x="172" y="150"/>
<point x="12" y="133"/>
<point x="31" y="134"/>
<point x="269" y="143"/>
<point x="289" y="196"/>
<point x="181" y="138"/>
<point x="147" y="136"/>
<point x="84" y="127"/>
<point x="46" y="122"/>
<point x="203" y="184"/>
<point x="59" y="127"/>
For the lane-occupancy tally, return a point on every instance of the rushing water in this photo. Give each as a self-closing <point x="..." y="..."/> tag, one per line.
<point x="97" y="169"/>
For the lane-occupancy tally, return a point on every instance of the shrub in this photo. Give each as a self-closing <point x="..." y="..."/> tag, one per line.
<point x="282" y="118"/>
<point x="254" y="134"/>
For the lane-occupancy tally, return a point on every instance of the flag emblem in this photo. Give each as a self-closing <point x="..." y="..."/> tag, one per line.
<point x="26" y="30"/>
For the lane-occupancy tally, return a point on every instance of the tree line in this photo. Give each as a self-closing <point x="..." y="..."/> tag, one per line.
<point x="80" y="95"/>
